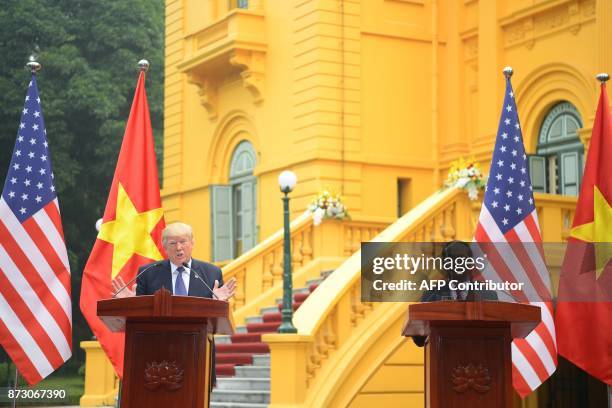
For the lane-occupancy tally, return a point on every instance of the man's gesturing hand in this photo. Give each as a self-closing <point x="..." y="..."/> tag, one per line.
<point x="118" y="283"/>
<point x="226" y="291"/>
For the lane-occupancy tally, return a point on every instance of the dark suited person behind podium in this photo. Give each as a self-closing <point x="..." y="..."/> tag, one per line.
<point x="178" y="242"/>
<point x="454" y="250"/>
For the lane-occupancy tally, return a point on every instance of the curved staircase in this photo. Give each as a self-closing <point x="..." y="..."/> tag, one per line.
<point x="243" y="360"/>
<point x="349" y="353"/>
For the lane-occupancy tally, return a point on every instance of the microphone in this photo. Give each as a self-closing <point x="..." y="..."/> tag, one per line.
<point x="197" y="275"/>
<point x="136" y="277"/>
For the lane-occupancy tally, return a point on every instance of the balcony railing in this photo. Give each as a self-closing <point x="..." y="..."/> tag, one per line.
<point x="234" y="45"/>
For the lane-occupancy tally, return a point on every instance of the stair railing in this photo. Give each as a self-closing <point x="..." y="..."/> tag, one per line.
<point x="259" y="271"/>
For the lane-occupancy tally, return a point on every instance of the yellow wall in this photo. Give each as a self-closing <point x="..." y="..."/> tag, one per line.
<point x="353" y="94"/>
<point x="398" y="382"/>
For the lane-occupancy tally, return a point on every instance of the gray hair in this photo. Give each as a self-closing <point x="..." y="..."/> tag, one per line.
<point x="176" y="229"/>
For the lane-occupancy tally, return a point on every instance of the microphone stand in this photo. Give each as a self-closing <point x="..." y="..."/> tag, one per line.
<point x="136" y="277"/>
<point x="198" y="276"/>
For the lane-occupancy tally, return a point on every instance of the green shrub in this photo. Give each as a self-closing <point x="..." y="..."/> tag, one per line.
<point x="3" y="374"/>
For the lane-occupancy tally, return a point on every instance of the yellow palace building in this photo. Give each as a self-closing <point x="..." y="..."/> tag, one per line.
<point x="372" y="99"/>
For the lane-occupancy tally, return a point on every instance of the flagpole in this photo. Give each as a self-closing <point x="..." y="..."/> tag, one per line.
<point x="603" y="78"/>
<point x="34" y="66"/>
<point x="15" y="387"/>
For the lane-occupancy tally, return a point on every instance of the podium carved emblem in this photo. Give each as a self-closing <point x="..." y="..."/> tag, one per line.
<point x="165" y="374"/>
<point x="471" y="376"/>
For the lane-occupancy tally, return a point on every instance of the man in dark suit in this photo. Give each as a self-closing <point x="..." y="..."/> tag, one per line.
<point x="454" y="250"/>
<point x="197" y="278"/>
<point x="200" y="279"/>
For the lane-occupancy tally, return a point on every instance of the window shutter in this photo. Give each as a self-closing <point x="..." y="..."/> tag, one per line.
<point x="570" y="173"/>
<point x="248" y="215"/>
<point x="221" y="222"/>
<point x="537" y="172"/>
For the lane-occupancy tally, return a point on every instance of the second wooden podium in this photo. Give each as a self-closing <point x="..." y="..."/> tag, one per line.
<point x="467" y="358"/>
<point x="168" y="347"/>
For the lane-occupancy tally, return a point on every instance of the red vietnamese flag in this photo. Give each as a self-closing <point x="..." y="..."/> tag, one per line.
<point x="584" y="307"/>
<point x="130" y="234"/>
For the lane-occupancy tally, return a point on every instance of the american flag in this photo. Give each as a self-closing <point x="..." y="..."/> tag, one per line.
<point x="35" y="304"/>
<point x="508" y="218"/>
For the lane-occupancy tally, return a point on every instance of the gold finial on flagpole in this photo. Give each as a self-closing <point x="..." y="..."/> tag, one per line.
<point x="143" y="64"/>
<point x="508" y="71"/>
<point x="603" y="77"/>
<point x="33" y="65"/>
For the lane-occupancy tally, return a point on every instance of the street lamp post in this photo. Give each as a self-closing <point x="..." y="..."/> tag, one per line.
<point x="286" y="181"/>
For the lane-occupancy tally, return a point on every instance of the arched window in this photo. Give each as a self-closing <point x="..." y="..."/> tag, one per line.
<point x="233" y="207"/>
<point x="557" y="166"/>
<point x="243" y="186"/>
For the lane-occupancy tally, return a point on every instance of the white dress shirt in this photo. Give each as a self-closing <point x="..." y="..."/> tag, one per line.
<point x="185" y="275"/>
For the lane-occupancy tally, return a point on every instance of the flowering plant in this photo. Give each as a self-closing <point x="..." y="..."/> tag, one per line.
<point x="327" y="205"/>
<point x="466" y="174"/>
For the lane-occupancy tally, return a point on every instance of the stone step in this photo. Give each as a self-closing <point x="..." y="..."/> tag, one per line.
<point x="261" y="360"/>
<point x="272" y="317"/>
<point x="263" y="327"/>
<point x="222" y="339"/>
<point x="253" y="371"/>
<point x="269" y="309"/>
<point x="225" y="370"/>
<point x="279" y="305"/>
<point x="245" y="338"/>
<point x="300" y="297"/>
<point x="313" y="287"/>
<point x="234" y="358"/>
<point x="254" y="319"/>
<point x="251" y="396"/>
<point x="313" y="282"/>
<point x="301" y="290"/>
<point x="234" y="383"/>
<point x="246" y="348"/>
<point x="237" y="405"/>
<point x="241" y="329"/>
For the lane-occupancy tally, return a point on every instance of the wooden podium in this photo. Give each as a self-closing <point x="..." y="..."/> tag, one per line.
<point x="168" y="345"/>
<point x="467" y="357"/>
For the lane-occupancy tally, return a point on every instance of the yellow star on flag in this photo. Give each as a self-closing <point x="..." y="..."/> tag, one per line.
<point x="598" y="231"/>
<point x="130" y="232"/>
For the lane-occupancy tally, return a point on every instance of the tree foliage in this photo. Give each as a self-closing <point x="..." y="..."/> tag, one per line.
<point x="89" y="51"/>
